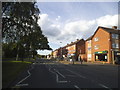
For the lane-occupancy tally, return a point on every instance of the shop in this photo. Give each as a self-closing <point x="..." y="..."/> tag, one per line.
<point x="101" y="56"/>
<point x="117" y="57"/>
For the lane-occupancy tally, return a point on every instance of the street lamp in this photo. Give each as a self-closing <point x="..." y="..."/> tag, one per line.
<point x="61" y="51"/>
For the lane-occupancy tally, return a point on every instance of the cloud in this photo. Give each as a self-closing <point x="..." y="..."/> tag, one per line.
<point x="66" y="31"/>
<point x="76" y="29"/>
<point x="49" y="27"/>
<point x="107" y="20"/>
<point x="58" y="18"/>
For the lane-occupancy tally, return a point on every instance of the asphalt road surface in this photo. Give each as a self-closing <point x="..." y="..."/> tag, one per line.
<point x="51" y="74"/>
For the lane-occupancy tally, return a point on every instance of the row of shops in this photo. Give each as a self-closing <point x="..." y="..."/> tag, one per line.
<point x="102" y="46"/>
<point x="103" y="56"/>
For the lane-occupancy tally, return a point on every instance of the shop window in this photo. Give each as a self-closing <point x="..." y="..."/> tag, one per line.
<point x="101" y="57"/>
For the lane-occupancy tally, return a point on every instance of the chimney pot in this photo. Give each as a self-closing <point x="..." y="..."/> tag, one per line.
<point x="114" y="27"/>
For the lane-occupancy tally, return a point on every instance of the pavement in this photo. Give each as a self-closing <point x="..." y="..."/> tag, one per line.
<point x="88" y="63"/>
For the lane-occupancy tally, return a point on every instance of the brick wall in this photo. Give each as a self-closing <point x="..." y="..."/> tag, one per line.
<point x="103" y="43"/>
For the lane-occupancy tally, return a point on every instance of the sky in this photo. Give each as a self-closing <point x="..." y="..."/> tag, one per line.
<point x="64" y="22"/>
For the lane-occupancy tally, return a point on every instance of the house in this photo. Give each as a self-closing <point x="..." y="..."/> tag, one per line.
<point x="54" y="53"/>
<point x="75" y="49"/>
<point x="88" y="48"/>
<point x="105" y="44"/>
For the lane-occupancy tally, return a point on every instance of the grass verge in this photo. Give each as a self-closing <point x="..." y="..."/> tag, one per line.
<point x="11" y="69"/>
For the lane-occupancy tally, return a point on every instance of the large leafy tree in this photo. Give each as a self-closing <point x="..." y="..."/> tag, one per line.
<point x="35" y="41"/>
<point x="18" y="19"/>
<point x="19" y="25"/>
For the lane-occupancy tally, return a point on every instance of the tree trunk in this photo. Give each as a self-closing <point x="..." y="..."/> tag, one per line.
<point x="17" y="56"/>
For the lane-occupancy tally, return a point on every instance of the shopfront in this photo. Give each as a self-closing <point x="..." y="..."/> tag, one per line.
<point x="101" y="56"/>
<point x="117" y="57"/>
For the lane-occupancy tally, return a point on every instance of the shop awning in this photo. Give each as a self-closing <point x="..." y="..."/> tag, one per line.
<point x="101" y="52"/>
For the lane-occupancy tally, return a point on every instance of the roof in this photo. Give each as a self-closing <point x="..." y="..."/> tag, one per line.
<point x="73" y="43"/>
<point x="89" y="38"/>
<point x="109" y="30"/>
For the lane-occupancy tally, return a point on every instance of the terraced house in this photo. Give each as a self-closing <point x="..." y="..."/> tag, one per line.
<point x="88" y="49"/>
<point x="74" y="49"/>
<point x="54" y="53"/>
<point x="104" y="45"/>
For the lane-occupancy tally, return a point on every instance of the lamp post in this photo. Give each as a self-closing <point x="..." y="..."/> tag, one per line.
<point x="61" y="51"/>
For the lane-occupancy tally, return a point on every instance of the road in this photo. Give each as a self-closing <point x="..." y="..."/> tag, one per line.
<point x="51" y="74"/>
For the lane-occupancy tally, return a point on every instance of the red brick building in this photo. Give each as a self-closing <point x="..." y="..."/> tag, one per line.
<point x="73" y="49"/>
<point x="54" y="53"/>
<point x="102" y="46"/>
<point x="88" y="49"/>
<point x="105" y="45"/>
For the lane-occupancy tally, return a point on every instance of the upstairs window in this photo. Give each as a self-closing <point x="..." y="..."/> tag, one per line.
<point x="115" y="36"/>
<point x="89" y="49"/>
<point x="89" y="41"/>
<point x="96" y="39"/>
<point x="115" y="45"/>
<point x="96" y="47"/>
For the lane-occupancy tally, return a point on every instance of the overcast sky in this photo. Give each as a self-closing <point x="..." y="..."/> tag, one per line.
<point x="67" y="21"/>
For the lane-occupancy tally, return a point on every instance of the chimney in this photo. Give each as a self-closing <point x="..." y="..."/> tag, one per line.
<point x="114" y="27"/>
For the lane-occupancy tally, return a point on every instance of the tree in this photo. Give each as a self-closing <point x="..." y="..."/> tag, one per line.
<point x="19" y="25"/>
<point x="18" y="19"/>
<point x="35" y="41"/>
<point x="9" y="50"/>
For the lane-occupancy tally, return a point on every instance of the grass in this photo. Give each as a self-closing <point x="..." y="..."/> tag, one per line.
<point x="11" y="69"/>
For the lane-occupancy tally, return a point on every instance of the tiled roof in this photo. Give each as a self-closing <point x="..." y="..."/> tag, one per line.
<point x="89" y="38"/>
<point x="74" y="42"/>
<point x="111" y="30"/>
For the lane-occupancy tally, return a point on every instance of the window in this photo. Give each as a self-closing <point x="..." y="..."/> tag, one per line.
<point x="115" y="36"/>
<point x="115" y="45"/>
<point x="89" y="56"/>
<point x="96" y="39"/>
<point x="96" y="47"/>
<point x="89" y="48"/>
<point x="89" y="41"/>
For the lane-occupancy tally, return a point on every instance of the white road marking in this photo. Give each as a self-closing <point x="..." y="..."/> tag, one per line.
<point x="29" y="74"/>
<point x="22" y="85"/>
<point x="71" y="75"/>
<point x="76" y="73"/>
<point x="77" y="87"/>
<point x="59" y="73"/>
<point x="56" y="72"/>
<point x="57" y="80"/>
<point x="87" y="78"/>
<point x="104" y="86"/>
<point x="63" y="81"/>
